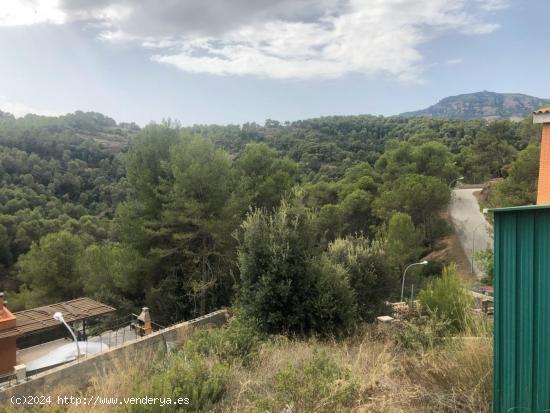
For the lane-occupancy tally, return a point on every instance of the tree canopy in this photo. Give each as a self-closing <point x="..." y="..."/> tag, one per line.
<point x="321" y="214"/>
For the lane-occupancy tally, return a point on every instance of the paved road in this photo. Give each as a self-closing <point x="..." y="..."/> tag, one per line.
<point x="469" y="220"/>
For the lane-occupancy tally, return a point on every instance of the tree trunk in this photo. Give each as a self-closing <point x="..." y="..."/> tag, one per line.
<point x="204" y="277"/>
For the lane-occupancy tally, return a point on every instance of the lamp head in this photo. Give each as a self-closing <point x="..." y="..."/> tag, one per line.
<point x="424" y="262"/>
<point x="58" y="317"/>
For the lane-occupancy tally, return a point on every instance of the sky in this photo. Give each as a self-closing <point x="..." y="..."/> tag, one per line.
<point x="236" y="61"/>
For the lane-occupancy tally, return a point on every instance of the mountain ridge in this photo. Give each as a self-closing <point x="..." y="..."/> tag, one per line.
<point x="483" y="105"/>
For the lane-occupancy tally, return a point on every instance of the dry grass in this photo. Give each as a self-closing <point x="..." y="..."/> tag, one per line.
<point x="120" y="382"/>
<point x="365" y="373"/>
<point x="368" y="363"/>
<point x="452" y="378"/>
<point x="456" y="378"/>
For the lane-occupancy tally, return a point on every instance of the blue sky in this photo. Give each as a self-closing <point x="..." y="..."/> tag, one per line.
<point x="235" y="61"/>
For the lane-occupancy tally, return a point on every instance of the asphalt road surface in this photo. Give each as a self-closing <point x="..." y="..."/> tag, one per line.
<point x="470" y="224"/>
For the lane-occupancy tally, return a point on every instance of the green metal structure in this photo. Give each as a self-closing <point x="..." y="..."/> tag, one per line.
<point x="521" y="381"/>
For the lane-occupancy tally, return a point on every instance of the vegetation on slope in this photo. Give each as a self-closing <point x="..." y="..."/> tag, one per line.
<point x="421" y="365"/>
<point x="301" y="227"/>
<point x="55" y="177"/>
<point x="160" y="223"/>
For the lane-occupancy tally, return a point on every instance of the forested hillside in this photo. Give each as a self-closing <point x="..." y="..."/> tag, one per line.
<point x="183" y="218"/>
<point x="56" y="175"/>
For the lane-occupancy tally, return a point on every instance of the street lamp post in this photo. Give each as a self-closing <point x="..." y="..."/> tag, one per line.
<point x="59" y="317"/>
<point x="474" y="244"/>
<point x="405" y="273"/>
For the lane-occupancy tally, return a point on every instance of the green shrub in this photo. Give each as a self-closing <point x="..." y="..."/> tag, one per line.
<point x="186" y="375"/>
<point x="485" y="260"/>
<point x="441" y="228"/>
<point x="321" y="385"/>
<point x="238" y="341"/>
<point x="369" y="273"/>
<point x="421" y="333"/>
<point x="447" y="299"/>
<point x="332" y="304"/>
<point x="431" y="269"/>
<point x="285" y="284"/>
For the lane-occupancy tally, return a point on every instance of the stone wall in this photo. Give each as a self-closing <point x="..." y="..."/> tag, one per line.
<point x="79" y="373"/>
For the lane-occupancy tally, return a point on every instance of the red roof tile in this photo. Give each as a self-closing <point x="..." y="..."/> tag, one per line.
<point x="540" y="111"/>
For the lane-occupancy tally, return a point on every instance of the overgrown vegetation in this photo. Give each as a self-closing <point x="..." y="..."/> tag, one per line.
<point x="446" y="299"/>
<point x="55" y="175"/>
<point x="306" y="227"/>
<point x="237" y="369"/>
<point x="285" y="283"/>
<point x="485" y="260"/>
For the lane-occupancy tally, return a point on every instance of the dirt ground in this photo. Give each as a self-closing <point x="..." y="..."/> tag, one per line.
<point x="450" y="250"/>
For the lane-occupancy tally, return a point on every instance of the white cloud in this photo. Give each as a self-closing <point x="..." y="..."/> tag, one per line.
<point x="283" y="39"/>
<point x="491" y="5"/>
<point x="19" y="109"/>
<point x="452" y="62"/>
<point x="371" y="37"/>
<point x="27" y="12"/>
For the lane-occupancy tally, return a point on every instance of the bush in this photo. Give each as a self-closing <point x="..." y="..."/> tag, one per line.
<point x="485" y="261"/>
<point x="332" y="304"/>
<point x="369" y="274"/>
<point x="284" y="283"/>
<point x="433" y="268"/>
<point x="238" y="341"/>
<point x="273" y="254"/>
<point x="447" y="299"/>
<point x="441" y="228"/>
<point x="421" y="333"/>
<point x="186" y="375"/>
